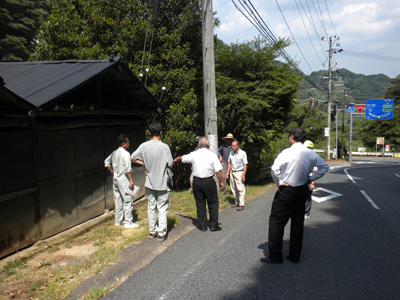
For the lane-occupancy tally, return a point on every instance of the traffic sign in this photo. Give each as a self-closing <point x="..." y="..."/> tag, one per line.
<point x="379" y="109"/>
<point x="360" y="107"/>
<point x="350" y="109"/>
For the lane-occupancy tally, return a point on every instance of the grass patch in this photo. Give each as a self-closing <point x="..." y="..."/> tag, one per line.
<point x="96" y="292"/>
<point x="49" y="279"/>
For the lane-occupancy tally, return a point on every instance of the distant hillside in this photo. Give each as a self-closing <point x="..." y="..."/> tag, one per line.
<point x="358" y="87"/>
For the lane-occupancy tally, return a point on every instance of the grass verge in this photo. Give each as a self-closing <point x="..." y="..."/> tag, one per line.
<point x="56" y="268"/>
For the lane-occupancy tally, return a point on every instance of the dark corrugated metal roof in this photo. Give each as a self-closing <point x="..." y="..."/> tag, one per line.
<point x="42" y="82"/>
<point x="8" y="99"/>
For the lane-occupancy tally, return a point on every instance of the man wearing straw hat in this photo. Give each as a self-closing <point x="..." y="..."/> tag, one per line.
<point x="224" y="152"/>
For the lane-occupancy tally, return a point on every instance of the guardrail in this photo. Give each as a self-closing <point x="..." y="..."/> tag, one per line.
<point x="385" y="154"/>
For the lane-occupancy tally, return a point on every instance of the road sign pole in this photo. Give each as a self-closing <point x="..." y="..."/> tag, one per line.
<point x="351" y="135"/>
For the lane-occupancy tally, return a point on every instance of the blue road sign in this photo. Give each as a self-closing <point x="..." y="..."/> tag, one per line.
<point x="379" y="109"/>
<point x="350" y="109"/>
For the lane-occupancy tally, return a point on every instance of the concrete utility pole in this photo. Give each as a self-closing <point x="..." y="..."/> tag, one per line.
<point x="210" y="100"/>
<point x="331" y="51"/>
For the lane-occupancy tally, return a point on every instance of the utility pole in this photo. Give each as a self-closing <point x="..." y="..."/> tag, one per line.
<point x="343" y="114"/>
<point x="210" y="100"/>
<point x="331" y="51"/>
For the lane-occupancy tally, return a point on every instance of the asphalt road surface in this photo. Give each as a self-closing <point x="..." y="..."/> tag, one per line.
<point x="351" y="247"/>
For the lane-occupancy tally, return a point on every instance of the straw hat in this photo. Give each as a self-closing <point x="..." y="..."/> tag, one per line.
<point x="228" y="136"/>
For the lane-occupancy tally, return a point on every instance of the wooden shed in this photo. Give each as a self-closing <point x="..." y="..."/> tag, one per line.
<point x="58" y="122"/>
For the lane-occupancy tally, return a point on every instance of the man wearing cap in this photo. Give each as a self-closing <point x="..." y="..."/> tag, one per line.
<point x="310" y="145"/>
<point x="237" y="168"/>
<point x="291" y="173"/>
<point x="205" y="164"/>
<point x="224" y="152"/>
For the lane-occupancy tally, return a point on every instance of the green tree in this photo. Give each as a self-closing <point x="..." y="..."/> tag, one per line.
<point x="19" y="20"/>
<point x="389" y="129"/>
<point x="255" y="95"/>
<point x="91" y="29"/>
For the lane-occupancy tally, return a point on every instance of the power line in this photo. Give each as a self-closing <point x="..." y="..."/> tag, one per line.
<point x="313" y="26"/>
<point x="330" y="18"/>
<point x="293" y="36"/>
<point x="267" y="33"/>
<point x="371" y="56"/>
<point x="307" y="31"/>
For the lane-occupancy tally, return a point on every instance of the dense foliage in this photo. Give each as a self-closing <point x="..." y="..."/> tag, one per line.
<point x="255" y="94"/>
<point x="91" y="29"/>
<point x="389" y="129"/>
<point x="19" y="20"/>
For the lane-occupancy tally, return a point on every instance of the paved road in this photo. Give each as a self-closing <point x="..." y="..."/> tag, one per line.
<point x="351" y="249"/>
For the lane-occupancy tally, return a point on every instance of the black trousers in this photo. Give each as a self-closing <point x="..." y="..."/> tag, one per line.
<point x="288" y="204"/>
<point x="205" y="189"/>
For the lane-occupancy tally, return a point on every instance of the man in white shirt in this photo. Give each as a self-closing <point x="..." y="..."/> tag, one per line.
<point x="291" y="173"/>
<point x="205" y="164"/>
<point x="120" y="167"/>
<point x="236" y="171"/>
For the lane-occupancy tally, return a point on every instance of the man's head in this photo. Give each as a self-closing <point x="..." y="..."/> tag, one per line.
<point x="204" y="143"/>
<point x="235" y="145"/>
<point x="123" y="141"/>
<point x="228" y="139"/>
<point x="155" y="129"/>
<point x="297" y="134"/>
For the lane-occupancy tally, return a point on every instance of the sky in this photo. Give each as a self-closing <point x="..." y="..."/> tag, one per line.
<point x="363" y="26"/>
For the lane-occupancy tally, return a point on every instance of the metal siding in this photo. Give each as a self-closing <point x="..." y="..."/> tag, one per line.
<point x="89" y="149"/>
<point x="17" y="161"/>
<point x="55" y="154"/>
<point x="18" y="228"/>
<point x="90" y="194"/>
<point x="58" y="206"/>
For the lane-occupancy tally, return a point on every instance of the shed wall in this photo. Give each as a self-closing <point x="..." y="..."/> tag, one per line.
<point x="54" y="180"/>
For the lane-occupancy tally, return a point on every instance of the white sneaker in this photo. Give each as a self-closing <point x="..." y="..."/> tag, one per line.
<point x="118" y="224"/>
<point x="133" y="225"/>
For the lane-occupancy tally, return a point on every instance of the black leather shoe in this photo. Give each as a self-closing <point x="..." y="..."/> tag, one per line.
<point x="270" y="261"/>
<point x="216" y="229"/>
<point x="203" y="230"/>
<point x="292" y="260"/>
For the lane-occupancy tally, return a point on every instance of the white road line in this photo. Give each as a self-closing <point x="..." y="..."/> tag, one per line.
<point x="369" y="199"/>
<point x="397" y="174"/>
<point x="348" y="175"/>
<point x="322" y="199"/>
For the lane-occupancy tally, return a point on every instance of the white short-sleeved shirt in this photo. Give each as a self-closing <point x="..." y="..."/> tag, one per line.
<point x="237" y="160"/>
<point x="121" y="164"/>
<point x="294" y="165"/>
<point x="204" y="162"/>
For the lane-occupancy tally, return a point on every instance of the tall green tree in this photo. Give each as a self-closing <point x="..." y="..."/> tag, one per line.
<point x="389" y="129"/>
<point x="91" y="29"/>
<point x="255" y="94"/>
<point x="19" y="20"/>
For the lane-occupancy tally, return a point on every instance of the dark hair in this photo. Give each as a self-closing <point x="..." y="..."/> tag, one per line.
<point x="299" y="135"/>
<point x="121" y="139"/>
<point x="155" y="129"/>
<point x="235" y="140"/>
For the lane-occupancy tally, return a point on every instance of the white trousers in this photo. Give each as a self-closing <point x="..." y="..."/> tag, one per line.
<point x="157" y="200"/>
<point x="123" y="205"/>
<point x="237" y="186"/>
